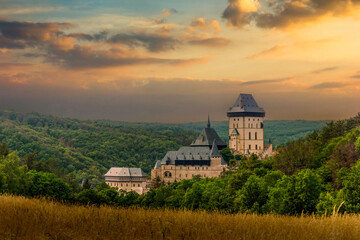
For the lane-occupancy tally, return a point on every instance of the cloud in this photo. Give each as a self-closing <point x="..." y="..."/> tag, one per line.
<point x="267" y="52"/>
<point x="211" y="42"/>
<point x="357" y="76"/>
<point x="54" y="43"/>
<point x="168" y="12"/>
<point x="27" y="10"/>
<point x="201" y="23"/>
<point x="266" y="81"/>
<point x="239" y="12"/>
<point x="83" y="57"/>
<point x="151" y="41"/>
<point x="328" y="85"/>
<point x="31" y="31"/>
<point x="159" y="20"/>
<point x="282" y="14"/>
<point x="324" y="70"/>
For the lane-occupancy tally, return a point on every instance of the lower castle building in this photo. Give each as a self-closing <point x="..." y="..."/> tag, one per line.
<point x="128" y="179"/>
<point x="202" y="158"/>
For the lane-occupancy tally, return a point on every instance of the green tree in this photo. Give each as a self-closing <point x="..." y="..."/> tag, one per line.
<point x="48" y="185"/>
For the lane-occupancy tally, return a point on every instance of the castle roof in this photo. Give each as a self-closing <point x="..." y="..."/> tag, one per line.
<point x="245" y="105"/>
<point x="125" y="172"/>
<point x="157" y="164"/>
<point x="207" y="137"/>
<point x="235" y="132"/>
<point x="190" y="154"/>
<point x="214" y="151"/>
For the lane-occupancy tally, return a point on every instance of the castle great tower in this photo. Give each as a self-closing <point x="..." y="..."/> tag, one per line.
<point x="246" y="126"/>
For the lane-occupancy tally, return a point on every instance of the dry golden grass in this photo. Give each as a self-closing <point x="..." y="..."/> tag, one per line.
<point x="22" y="218"/>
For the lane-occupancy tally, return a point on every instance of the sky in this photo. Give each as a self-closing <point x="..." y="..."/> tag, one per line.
<point x="178" y="61"/>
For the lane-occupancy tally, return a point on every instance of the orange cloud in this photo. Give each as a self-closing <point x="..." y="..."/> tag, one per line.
<point x="268" y="52"/>
<point x="201" y="23"/>
<point x="285" y="14"/>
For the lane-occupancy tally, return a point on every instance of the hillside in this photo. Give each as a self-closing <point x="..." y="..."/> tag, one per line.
<point x="90" y="148"/>
<point x="279" y="131"/>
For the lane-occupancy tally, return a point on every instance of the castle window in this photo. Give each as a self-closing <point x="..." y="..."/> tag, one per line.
<point x="237" y="125"/>
<point x="255" y="135"/>
<point x="133" y="185"/>
<point x="126" y="184"/>
<point x="202" y="168"/>
<point x="256" y="147"/>
<point x="185" y="175"/>
<point x="249" y="135"/>
<point x="261" y="125"/>
<point x="251" y="125"/>
<point x="260" y="147"/>
<point x="206" y="168"/>
<point x="180" y="175"/>
<point x="167" y="174"/>
<point x="188" y="168"/>
<point x="250" y="147"/>
<point x="180" y="168"/>
<point x="233" y="125"/>
<point x="139" y="185"/>
<point x="258" y="119"/>
<point x="204" y="175"/>
<point x="121" y="185"/>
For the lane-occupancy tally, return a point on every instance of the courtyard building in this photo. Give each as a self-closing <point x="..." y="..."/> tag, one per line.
<point x="128" y="179"/>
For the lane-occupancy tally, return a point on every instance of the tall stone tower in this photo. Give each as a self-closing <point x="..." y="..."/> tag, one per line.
<point x="246" y="126"/>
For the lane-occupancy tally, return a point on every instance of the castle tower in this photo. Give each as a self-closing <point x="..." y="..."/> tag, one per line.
<point x="246" y="126"/>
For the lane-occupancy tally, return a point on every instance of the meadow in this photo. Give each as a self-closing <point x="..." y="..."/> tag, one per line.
<point x="23" y="218"/>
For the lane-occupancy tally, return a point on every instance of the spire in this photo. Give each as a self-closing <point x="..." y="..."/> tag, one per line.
<point x="214" y="150"/>
<point x="208" y="124"/>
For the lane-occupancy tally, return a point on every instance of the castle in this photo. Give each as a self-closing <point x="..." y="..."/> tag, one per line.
<point x="246" y="128"/>
<point x="202" y="157"/>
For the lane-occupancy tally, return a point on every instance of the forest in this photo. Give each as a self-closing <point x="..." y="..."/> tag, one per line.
<point x="89" y="148"/>
<point x="314" y="174"/>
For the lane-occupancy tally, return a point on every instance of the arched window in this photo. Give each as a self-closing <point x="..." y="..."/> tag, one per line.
<point x="255" y="135"/>
<point x="167" y="174"/>
<point x="249" y="135"/>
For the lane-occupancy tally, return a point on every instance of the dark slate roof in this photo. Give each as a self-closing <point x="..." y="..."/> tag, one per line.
<point x="214" y="151"/>
<point x="187" y="153"/>
<point x="246" y="103"/>
<point x="191" y="153"/>
<point x="125" y="172"/>
<point x="206" y="138"/>
<point x="235" y="132"/>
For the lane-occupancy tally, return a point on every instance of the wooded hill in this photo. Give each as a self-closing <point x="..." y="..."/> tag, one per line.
<point x="90" y="148"/>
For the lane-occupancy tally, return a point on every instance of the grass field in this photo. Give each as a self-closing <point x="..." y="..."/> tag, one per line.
<point x="22" y="218"/>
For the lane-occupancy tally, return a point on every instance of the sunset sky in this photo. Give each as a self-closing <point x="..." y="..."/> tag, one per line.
<point x="178" y="60"/>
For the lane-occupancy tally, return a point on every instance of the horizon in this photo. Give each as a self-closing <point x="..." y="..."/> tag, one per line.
<point x="177" y="61"/>
<point x="155" y="122"/>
